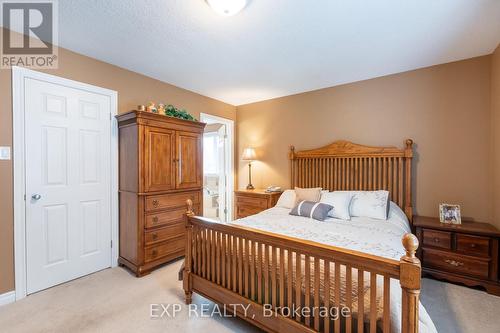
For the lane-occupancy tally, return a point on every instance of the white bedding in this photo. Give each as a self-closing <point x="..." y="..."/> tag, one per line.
<point x="378" y="237"/>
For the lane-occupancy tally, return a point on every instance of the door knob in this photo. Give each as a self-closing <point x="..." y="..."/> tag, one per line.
<point x="36" y="197"/>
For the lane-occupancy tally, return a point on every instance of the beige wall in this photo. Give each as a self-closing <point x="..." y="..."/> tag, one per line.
<point x="495" y="131"/>
<point x="133" y="89"/>
<point x="445" y="109"/>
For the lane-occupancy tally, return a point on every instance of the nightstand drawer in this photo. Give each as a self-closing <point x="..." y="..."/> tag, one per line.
<point x="244" y="211"/>
<point x="252" y="201"/>
<point x="441" y="239"/>
<point x="473" y="245"/>
<point x="455" y="263"/>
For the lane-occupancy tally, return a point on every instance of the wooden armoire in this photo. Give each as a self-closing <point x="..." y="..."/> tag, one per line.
<point x="161" y="166"/>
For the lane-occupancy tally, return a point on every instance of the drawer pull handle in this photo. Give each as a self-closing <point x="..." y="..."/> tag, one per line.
<point x="156" y="203"/>
<point x="454" y="263"/>
<point x="155" y="219"/>
<point x="436" y="240"/>
<point x="154" y="253"/>
<point x="473" y="245"/>
<point x="154" y="236"/>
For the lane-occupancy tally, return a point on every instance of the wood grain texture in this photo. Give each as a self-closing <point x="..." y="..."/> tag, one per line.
<point x="304" y="283"/>
<point x="343" y="165"/>
<point x="466" y="253"/>
<point x="297" y="272"/>
<point x="153" y="190"/>
<point x="250" y="202"/>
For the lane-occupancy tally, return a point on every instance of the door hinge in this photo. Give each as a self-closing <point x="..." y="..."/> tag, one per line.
<point x="111" y="243"/>
<point x="25" y="197"/>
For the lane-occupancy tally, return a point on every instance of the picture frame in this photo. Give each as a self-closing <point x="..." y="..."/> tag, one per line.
<point x="450" y="214"/>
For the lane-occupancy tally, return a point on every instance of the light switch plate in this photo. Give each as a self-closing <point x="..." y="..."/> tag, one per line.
<point x="4" y="153"/>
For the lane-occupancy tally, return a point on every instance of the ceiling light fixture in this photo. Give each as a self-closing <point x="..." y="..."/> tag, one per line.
<point x="227" y="7"/>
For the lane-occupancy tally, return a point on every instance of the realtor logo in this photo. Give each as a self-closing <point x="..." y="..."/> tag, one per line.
<point x="29" y="34"/>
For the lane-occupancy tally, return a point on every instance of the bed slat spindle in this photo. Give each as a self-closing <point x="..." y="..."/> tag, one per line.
<point x="373" y="302"/>
<point x="326" y="302"/>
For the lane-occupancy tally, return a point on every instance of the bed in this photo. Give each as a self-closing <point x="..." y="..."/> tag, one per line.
<point x="295" y="267"/>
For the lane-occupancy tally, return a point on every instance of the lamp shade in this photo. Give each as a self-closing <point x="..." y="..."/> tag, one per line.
<point x="249" y="154"/>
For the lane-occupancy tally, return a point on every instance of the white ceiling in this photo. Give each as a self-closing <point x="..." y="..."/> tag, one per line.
<point x="277" y="47"/>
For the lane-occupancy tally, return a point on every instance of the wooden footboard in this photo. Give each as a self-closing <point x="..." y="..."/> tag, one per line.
<point x="292" y="285"/>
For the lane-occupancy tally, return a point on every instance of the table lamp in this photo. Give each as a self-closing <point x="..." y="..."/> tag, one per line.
<point x="249" y="155"/>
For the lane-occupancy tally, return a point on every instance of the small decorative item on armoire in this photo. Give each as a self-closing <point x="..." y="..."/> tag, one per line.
<point x="161" y="108"/>
<point x="449" y="214"/>
<point x="141" y="107"/>
<point x="250" y="156"/>
<point x="152" y="108"/>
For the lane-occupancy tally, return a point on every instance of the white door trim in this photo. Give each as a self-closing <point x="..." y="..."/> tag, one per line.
<point x="18" y="78"/>
<point x="230" y="160"/>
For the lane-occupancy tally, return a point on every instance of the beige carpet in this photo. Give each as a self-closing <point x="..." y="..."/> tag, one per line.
<point x="113" y="300"/>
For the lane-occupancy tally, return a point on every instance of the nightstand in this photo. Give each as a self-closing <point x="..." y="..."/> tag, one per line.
<point x="465" y="253"/>
<point x="250" y="202"/>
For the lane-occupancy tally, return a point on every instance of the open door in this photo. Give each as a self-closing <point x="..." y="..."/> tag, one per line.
<point x="215" y="172"/>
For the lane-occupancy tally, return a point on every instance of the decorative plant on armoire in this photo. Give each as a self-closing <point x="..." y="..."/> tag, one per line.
<point x="168" y="110"/>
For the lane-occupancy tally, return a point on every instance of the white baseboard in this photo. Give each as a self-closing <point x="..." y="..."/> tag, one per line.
<point x="9" y="297"/>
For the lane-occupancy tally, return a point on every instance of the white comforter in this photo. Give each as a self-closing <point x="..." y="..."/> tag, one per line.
<point x="378" y="237"/>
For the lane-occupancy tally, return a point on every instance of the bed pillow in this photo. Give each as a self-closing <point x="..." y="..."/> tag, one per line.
<point x="287" y="199"/>
<point x="372" y="204"/>
<point x="314" y="210"/>
<point x="396" y="212"/>
<point x="340" y="202"/>
<point x="308" y="194"/>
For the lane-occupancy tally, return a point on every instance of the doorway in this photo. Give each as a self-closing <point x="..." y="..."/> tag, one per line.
<point x="65" y="172"/>
<point x="218" y="166"/>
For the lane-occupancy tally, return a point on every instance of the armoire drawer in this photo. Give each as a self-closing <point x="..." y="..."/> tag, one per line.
<point x="168" y="217"/>
<point x="162" y="234"/>
<point x="173" y="200"/>
<point x="164" y="249"/>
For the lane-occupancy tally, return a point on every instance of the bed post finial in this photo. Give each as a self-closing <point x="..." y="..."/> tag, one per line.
<point x="409" y="143"/>
<point x="292" y="152"/>
<point x="410" y="243"/>
<point x="189" y="204"/>
<point x="410" y="280"/>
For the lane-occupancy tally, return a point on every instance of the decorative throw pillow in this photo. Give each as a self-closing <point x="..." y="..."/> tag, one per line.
<point x="287" y="199"/>
<point x="308" y="194"/>
<point x="340" y="202"/>
<point x="314" y="210"/>
<point x="373" y="204"/>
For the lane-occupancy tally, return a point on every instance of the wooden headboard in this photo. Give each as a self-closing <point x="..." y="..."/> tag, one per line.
<point x="344" y="165"/>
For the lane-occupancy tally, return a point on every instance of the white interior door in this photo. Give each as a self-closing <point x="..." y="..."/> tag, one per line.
<point x="68" y="161"/>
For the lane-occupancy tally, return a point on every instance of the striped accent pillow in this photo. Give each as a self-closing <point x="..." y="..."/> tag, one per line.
<point x="314" y="210"/>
